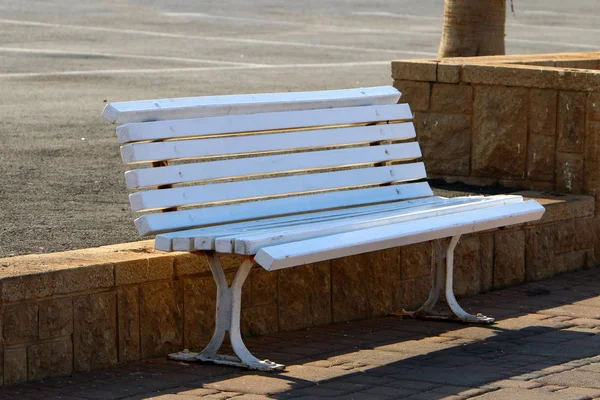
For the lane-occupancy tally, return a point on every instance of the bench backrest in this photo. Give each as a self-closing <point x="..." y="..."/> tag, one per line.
<point x="219" y="159"/>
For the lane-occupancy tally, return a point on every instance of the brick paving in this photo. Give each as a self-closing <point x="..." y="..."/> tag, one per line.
<point x="545" y="345"/>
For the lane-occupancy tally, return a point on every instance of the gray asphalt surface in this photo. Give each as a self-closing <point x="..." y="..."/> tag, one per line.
<point x="61" y="180"/>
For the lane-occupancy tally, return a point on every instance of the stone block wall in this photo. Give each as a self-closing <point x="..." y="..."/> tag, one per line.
<point x="531" y="122"/>
<point x="82" y="310"/>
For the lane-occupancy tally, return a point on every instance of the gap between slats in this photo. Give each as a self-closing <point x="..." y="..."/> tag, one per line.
<point x="264" y="143"/>
<point x="273" y="187"/>
<point x="273" y="164"/>
<point x="262" y="123"/>
<point x="193" y="218"/>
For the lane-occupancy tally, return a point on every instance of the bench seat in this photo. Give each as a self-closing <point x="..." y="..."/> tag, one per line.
<point x="288" y="179"/>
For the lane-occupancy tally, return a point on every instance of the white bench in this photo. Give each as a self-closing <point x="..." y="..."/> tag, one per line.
<point x="290" y="179"/>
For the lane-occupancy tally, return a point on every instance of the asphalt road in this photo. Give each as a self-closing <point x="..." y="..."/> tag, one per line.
<point x="61" y="181"/>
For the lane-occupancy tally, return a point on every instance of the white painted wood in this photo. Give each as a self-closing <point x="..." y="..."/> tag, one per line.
<point x="382" y="237"/>
<point x="254" y="189"/>
<point x="173" y="174"/>
<point x="213" y="106"/>
<point x="250" y="243"/>
<point x="151" y="224"/>
<point x="199" y="127"/>
<point x="204" y="238"/>
<point x="246" y="144"/>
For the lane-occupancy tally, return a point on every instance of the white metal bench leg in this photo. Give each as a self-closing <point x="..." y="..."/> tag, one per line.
<point x="446" y="275"/>
<point x="229" y="305"/>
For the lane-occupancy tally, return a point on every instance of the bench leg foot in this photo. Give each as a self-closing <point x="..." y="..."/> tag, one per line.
<point x="445" y="277"/>
<point x="229" y="304"/>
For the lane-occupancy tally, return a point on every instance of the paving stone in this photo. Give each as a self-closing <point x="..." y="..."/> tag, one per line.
<point x="516" y="384"/>
<point x="257" y="384"/>
<point x="578" y="377"/>
<point x="528" y="394"/>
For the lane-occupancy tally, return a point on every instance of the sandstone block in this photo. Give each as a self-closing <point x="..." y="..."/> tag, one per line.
<point x="259" y="320"/>
<point x="15" y="365"/>
<point x="531" y="77"/>
<point x="509" y="258"/>
<point x="445" y="141"/>
<point x="467" y="263"/>
<point x="20" y="323"/>
<point x="185" y="264"/>
<point x="384" y="281"/>
<point x="582" y="64"/>
<point x="295" y="298"/>
<point x="571" y="122"/>
<point x="304" y="296"/>
<point x="50" y="359"/>
<point x="569" y="173"/>
<point x="144" y="270"/>
<point x="95" y="331"/>
<point x="448" y="73"/>
<point x="539" y="254"/>
<point x="415" y="260"/>
<point x="500" y="132"/>
<point x="416" y="94"/>
<point x="571" y="261"/>
<point x="584" y="234"/>
<point x="64" y="281"/>
<point x="451" y="99"/>
<point x="264" y="286"/>
<point x="199" y="298"/>
<point x="161" y="324"/>
<point x="415" y="70"/>
<point x="592" y="159"/>
<point x="128" y="307"/>
<point x="561" y="207"/>
<point x="542" y="112"/>
<point x="541" y="159"/>
<point x="322" y="283"/>
<point x="414" y="292"/>
<point x="349" y="293"/>
<point x="593" y="107"/>
<point x="56" y="317"/>
<point x="486" y="250"/>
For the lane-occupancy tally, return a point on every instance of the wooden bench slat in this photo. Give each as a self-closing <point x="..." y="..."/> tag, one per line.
<point x="260" y="188"/>
<point x="250" y="243"/>
<point x="174" y="174"/>
<point x="212" y="106"/>
<point x="185" y="219"/>
<point x="274" y="142"/>
<point x="198" y="127"/>
<point x="382" y="237"/>
<point x="204" y="238"/>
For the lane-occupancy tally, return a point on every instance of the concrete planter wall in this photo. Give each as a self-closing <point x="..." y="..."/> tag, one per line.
<point x="88" y="309"/>
<point x="524" y="121"/>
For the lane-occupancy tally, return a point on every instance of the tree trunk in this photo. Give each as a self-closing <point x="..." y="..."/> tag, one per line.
<point x="473" y="28"/>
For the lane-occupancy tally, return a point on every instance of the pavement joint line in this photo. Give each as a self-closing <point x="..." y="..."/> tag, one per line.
<point x="219" y="38"/>
<point x="186" y="69"/>
<point x="118" y="55"/>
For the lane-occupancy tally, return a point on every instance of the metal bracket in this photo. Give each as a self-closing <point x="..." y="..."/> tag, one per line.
<point x="229" y="305"/>
<point x="443" y="275"/>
